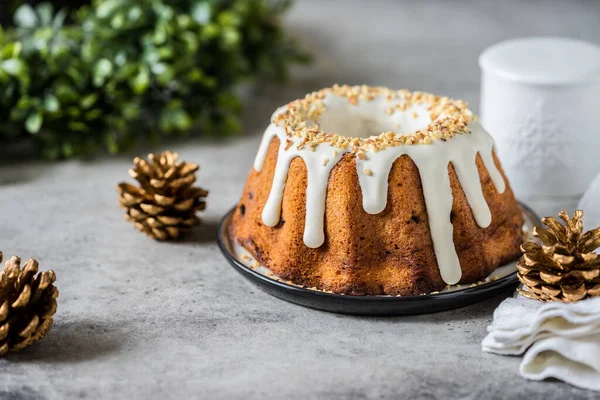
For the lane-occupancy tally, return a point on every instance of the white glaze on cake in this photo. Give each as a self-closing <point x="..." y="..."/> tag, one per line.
<point x="373" y="171"/>
<point x="318" y="175"/>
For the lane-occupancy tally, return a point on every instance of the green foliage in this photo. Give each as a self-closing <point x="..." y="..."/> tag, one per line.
<point x="130" y="69"/>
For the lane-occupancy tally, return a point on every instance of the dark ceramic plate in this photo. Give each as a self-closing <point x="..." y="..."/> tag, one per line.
<point x="455" y="297"/>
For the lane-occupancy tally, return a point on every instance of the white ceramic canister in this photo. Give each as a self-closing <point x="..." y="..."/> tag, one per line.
<point x="540" y="100"/>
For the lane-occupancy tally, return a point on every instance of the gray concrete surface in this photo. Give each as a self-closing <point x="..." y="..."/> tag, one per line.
<point x="144" y="320"/>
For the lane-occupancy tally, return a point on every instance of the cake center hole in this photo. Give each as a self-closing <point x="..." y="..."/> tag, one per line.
<point x="371" y="117"/>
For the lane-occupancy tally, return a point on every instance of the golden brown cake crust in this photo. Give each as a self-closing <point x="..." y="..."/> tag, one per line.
<point x="364" y="254"/>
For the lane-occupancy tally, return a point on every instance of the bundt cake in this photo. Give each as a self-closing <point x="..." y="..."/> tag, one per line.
<point x="331" y="203"/>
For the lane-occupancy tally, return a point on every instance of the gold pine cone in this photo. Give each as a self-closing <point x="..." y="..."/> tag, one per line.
<point x="565" y="267"/>
<point x="28" y="301"/>
<point x="165" y="204"/>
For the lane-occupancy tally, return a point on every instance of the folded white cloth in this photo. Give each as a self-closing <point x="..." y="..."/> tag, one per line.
<point x="563" y="339"/>
<point x="573" y="360"/>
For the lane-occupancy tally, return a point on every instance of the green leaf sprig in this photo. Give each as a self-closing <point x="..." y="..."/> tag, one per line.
<point x="130" y="70"/>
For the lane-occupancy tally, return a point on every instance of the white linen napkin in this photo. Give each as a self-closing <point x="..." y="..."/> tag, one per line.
<point x="559" y="340"/>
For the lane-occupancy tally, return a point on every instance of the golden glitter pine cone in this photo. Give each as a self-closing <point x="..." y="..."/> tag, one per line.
<point x="164" y="206"/>
<point x="565" y="267"/>
<point x="28" y="303"/>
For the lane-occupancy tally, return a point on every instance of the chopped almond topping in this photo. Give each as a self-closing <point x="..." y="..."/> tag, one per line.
<point x="300" y="119"/>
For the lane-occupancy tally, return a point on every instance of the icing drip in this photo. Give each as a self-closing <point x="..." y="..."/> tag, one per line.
<point x="318" y="175"/>
<point x="272" y="131"/>
<point x="432" y="161"/>
<point x="373" y="171"/>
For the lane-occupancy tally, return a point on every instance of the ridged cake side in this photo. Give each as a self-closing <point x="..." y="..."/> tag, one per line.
<point x="368" y="254"/>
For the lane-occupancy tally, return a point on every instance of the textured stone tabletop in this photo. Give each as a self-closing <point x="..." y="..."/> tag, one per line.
<point x="147" y="320"/>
